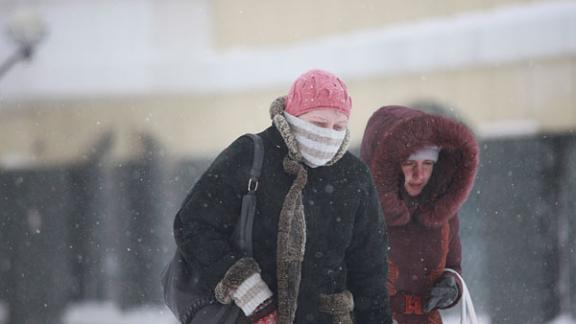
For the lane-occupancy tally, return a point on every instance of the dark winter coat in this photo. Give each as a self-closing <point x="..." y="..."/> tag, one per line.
<point x="344" y="261"/>
<point x="423" y="231"/>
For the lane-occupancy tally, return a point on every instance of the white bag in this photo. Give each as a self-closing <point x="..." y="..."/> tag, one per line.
<point x="468" y="314"/>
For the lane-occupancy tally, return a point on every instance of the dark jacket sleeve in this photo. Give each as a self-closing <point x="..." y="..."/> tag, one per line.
<point x="454" y="257"/>
<point x="366" y="260"/>
<point x="207" y="218"/>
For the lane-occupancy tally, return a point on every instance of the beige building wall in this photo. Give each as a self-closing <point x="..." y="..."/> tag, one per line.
<point x="200" y="126"/>
<point x="526" y="96"/>
<point x="261" y="23"/>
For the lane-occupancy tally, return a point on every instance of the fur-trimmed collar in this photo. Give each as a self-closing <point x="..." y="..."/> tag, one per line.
<point x="291" y="242"/>
<point x="395" y="132"/>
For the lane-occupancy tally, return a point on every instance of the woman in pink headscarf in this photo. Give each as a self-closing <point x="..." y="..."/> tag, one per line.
<point x="319" y="235"/>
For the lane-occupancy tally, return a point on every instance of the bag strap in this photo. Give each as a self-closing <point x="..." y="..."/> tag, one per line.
<point x="468" y="313"/>
<point x="256" y="162"/>
<point x="246" y="222"/>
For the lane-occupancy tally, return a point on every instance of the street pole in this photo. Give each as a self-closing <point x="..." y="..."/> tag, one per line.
<point x="26" y="30"/>
<point x="21" y="54"/>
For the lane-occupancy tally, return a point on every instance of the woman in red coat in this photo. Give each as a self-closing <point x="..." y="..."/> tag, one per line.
<point x="424" y="167"/>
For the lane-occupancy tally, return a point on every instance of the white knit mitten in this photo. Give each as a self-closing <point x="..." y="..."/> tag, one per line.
<point x="251" y="293"/>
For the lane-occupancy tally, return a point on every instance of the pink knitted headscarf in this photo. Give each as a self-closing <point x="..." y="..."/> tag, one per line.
<point x="318" y="89"/>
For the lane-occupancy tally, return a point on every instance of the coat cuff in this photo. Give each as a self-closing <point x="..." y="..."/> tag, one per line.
<point x="339" y="305"/>
<point x="234" y="277"/>
<point x="251" y="293"/>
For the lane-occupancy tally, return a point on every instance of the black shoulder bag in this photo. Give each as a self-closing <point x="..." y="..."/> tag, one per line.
<point x="189" y="303"/>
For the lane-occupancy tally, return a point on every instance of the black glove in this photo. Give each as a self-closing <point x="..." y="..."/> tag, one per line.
<point x="443" y="294"/>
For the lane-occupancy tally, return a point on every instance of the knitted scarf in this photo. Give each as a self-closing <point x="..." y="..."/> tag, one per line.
<point x="291" y="243"/>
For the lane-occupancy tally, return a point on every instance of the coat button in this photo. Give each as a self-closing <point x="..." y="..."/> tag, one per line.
<point x="318" y="255"/>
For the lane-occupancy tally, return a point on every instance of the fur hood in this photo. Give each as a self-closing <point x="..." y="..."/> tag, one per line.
<point x="393" y="133"/>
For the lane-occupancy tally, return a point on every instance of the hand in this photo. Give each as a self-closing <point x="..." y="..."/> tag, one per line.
<point x="443" y="294"/>
<point x="265" y="313"/>
<point x="271" y="318"/>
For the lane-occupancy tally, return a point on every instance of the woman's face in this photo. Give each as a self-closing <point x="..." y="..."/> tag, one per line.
<point x="326" y="118"/>
<point x="416" y="175"/>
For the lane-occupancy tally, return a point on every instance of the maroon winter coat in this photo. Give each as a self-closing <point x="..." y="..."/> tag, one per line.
<point x="423" y="231"/>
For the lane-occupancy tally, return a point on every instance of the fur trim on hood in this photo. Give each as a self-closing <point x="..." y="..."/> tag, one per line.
<point x="393" y="133"/>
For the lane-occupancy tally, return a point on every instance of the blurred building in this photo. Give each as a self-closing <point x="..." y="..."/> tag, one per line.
<point x="127" y="101"/>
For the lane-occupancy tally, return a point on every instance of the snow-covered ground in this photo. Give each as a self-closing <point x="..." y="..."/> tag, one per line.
<point x="107" y="313"/>
<point x="91" y="313"/>
<point x="564" y="319"/>
<point x="2" y="312"/>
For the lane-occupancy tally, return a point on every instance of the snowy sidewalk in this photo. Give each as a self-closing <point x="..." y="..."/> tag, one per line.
<point x="108" y="313"/>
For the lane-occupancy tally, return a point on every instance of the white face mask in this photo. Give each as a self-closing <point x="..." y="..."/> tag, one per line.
<point x="317" y="145"/>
